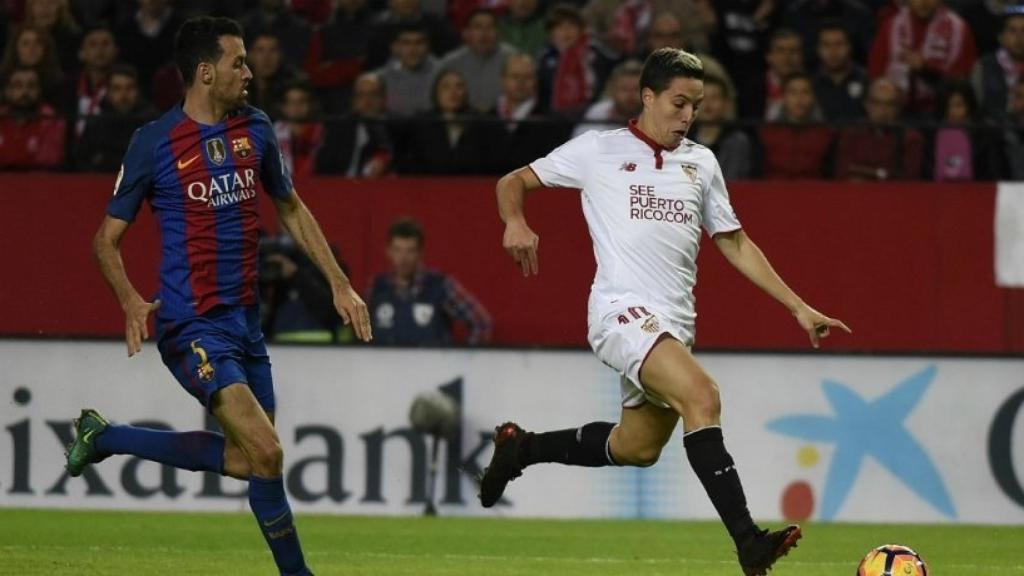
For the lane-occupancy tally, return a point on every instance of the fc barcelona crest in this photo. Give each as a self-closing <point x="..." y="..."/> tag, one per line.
<point x="691" y="171"/>
<point x="215" y="150"/>
<point x="241" y="147"/>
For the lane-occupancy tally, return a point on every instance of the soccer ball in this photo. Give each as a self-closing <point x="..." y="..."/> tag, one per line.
<point x="892" y="560"/>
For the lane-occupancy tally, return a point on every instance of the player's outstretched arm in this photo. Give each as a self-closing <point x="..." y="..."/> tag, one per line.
<point x="519" y="241"/>
<point x="299" y="222"/>
<point x="106" y="246"/>
<point x="742" y="253"/>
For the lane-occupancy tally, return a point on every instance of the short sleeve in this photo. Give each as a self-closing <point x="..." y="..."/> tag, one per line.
<point x="566" y="166"/>
<point x="277" y="181"/>
<point x="135" y="179"/>
<point x="718" y="214"/>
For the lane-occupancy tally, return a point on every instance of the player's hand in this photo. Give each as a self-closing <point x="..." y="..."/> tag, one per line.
<point x="353" y="311"/>
<point x="136" y="323"/>
<point x="816" y="324"/>
<point x="521" y="244"/>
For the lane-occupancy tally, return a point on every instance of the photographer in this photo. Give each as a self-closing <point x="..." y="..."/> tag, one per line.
<point x="297" y="298"/>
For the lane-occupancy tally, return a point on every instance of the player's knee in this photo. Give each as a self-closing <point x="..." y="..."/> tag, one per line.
<point x="646" y="456"/>
<point x="705" y="402"/>
<point x="267" y="458"/>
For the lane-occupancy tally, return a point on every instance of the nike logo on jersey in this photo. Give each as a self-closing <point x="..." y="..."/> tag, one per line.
<point x="182" y="164"/>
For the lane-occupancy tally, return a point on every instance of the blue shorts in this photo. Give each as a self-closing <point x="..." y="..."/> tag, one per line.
<point x="222" y="347"/>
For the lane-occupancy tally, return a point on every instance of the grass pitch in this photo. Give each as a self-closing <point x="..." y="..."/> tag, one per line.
<point x="55" y="542"/>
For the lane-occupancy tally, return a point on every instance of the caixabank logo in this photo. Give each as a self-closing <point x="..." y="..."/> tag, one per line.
<point x="861" y="428"/>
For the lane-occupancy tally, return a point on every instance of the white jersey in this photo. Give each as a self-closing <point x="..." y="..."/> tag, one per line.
<point x="645" y="207"/>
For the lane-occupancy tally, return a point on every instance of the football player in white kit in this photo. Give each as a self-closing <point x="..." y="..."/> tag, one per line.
<point x="647" y="191"/>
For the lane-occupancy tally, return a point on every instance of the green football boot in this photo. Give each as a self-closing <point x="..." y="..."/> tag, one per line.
<point x="82" y="451"/>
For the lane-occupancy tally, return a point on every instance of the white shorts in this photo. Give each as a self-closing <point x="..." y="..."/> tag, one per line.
<point x="622" y="334"/>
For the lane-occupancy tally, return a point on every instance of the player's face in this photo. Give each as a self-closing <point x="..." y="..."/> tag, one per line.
<point x="404" y="254"/>
<point x="674" y="109"/>
<point x="231" y="74"/>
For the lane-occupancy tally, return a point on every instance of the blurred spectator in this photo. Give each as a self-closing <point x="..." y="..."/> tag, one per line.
<point x="146" y="39"/>
<point x="785" y="57"/>
<point x="1013" y="134"/>
<point x="919" y="45"/>
<point x="840" y="83"/>
<point x="299" y="130"/>
<point x="571" y="69"/>
<point x="880" y="149"/>
<point x="740" y="42"/>
<point x="298" y="304"/>
<point x="809" y="17"/>
<point x="984" y="18"/>
<point x="714" y="129"/>
<point x="621" y="102"/>
<point x="666" y="31"/>
<point x="997" y="73"/>
<point x="31" y="133"/>
<point x="451" y="139"/>
<point x="522" y="26"/>
<point x="480" y="60"/>
<point x="620" y="26"/>
<point x="54" y="18"/>
<point x="336" y="53"/>
<point x="415" y="306"/>
<point x="401" y="15"/>
<point x="270" y="73"/>
<point x="408" y="76"/>
<point x="962" y="148"/>
<point x="97" y="55"/>
<point x="105" y="138"/>
<point x="277" y="18"/>
<point x="525" y="133"/>
<point x="34" y="48"/>
<point x="358" y="145"/>
<point x="315" y="11"/>
<point x="797" y="146"/>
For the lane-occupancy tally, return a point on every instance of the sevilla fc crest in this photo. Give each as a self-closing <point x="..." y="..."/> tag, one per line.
<point x="241" y="147"/>
<point x="215" y="150"/>
<point x="691" y="171"/>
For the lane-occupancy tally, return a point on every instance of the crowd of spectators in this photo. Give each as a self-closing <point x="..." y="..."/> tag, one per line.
<point x="847" y="89"/>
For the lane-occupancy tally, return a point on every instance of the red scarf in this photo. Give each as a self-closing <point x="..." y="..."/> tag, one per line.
<point x="630" y="20"/>
<point x="574" y="81"/>
<point x="940" y="44"/>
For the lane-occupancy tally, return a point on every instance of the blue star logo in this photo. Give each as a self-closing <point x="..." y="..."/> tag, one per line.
<point x="860" y="428"/>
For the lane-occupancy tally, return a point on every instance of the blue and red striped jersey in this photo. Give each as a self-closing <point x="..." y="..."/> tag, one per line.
<point x="202" y="183"/>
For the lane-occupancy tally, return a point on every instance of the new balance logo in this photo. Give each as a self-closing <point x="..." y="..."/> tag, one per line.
<point x="628" y="167"/>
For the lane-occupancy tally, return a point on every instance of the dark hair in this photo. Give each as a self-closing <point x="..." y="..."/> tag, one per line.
<point x="833" y="24"/>
<point x="406" y="228"/>
<point x="783" y="33"/>
<point x="410" y="28"/>
<point x="666" y="64"/>
<point x="198" y="41"/>
<point x="101" y="26"/>
<point x="561" y="13"/>
<point x="441" y="75"/>
<point x="481" y="10"/>
<point x="951" y="88"/>
<point x="798" y="76"/>
<point x="122" y="69"/>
